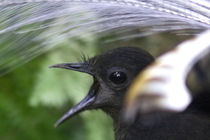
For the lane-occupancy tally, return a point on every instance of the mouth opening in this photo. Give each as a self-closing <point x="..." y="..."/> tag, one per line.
<point x="86" y="104"/>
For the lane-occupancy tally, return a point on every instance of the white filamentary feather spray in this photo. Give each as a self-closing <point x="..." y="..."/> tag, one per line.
<point x="50" y="21"/>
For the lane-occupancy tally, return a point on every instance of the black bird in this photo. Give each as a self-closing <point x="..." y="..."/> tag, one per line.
<point x="113" y="72"/>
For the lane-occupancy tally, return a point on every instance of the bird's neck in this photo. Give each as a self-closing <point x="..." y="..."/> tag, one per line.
<point x="113" y="112"/>
<point x="119" y="127"/>
<point x="138" y="130"/>
<point x="123" y="130"/>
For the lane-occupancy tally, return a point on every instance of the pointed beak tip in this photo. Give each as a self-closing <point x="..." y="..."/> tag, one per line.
<point x="59" y="122"/>
<point x="52" y="66"/>
<point x="56" y="125"/>
<point x="55" y="66"/>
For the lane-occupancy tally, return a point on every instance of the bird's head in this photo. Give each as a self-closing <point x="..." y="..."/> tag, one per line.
<point x="112" y="71"/>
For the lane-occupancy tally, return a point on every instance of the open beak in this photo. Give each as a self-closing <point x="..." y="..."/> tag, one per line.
<point x="87" y="102"/>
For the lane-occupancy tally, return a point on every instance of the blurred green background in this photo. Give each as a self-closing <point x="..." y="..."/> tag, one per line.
<point x="33" y="97"/>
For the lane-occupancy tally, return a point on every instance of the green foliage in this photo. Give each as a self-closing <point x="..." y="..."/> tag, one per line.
<point x="34" y="97"/>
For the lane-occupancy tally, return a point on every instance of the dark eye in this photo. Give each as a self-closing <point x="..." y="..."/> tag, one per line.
<point x="118" y="77"/>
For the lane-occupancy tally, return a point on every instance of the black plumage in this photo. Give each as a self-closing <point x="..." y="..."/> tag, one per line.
<point x="113" y="72"/>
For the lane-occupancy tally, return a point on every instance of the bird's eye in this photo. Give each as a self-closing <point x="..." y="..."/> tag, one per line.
<point x="118" y="77"/>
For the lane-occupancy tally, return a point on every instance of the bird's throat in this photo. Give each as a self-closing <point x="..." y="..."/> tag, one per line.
<point x="120" y="127"/>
